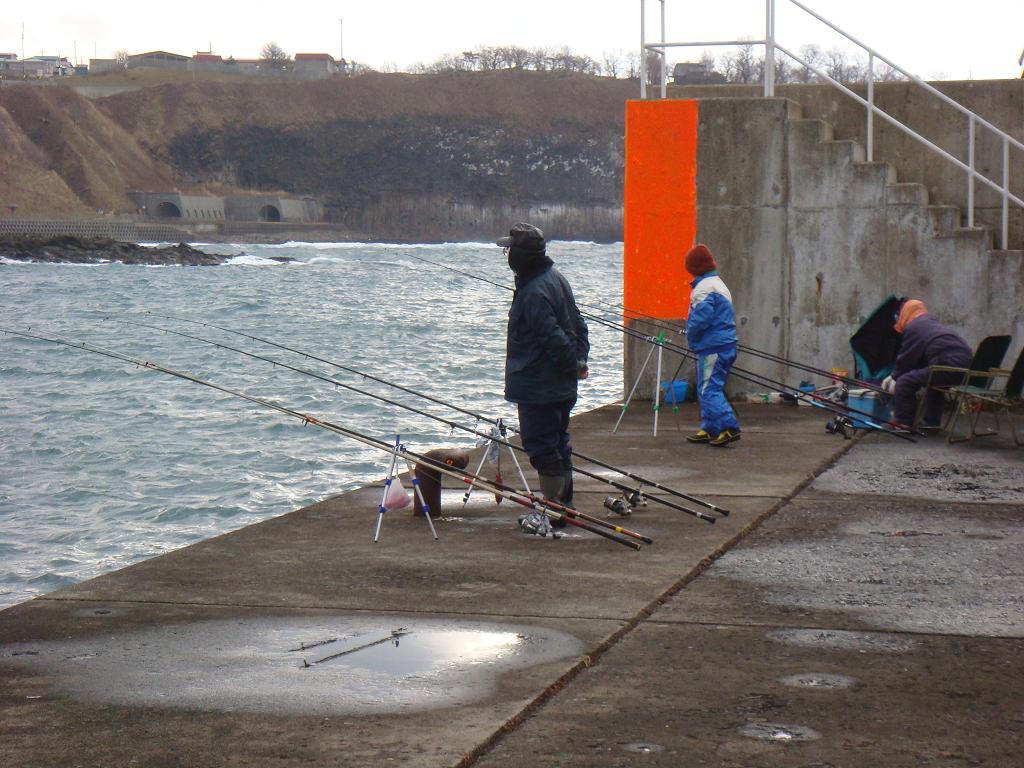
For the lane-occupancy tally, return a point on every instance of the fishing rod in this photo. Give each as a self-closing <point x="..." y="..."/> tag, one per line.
<point x="626" y="490"/>
<point x="770" y="356"/>
<point x="523" y="498"/>
<point x="741" y="373"/>
<point x="756" y="378"/>
<point x="671" y="327"/>
<point x="479" y="417"/>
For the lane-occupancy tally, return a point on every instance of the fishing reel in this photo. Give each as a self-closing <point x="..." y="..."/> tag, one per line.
<point x="538" y="524"/>
<point x="619" y="505"/>
<point x="839" y="426"/>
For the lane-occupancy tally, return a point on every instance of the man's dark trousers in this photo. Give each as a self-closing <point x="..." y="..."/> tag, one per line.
<point x="544" y="430"/>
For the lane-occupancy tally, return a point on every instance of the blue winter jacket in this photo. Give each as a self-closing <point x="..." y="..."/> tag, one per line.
<point x="547" y="339"/>
<point x="711" y="324"/>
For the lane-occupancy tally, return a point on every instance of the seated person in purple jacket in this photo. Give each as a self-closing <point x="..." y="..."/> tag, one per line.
<point x="926" y="342"/>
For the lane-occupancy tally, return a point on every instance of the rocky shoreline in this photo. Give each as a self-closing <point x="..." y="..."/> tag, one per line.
<point x="82" y="250"/>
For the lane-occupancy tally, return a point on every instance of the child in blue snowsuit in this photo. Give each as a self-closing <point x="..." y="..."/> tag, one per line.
<point x="711" y="333"/>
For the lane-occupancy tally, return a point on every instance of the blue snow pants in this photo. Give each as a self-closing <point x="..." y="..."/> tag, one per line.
<point x="712" y="370"/>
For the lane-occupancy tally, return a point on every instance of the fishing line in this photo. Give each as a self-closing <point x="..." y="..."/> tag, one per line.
<point x="438" y="401"/>
<point x="871" y="422"/>
<point x="523" y="498"/>
<point x="625" y="489"/>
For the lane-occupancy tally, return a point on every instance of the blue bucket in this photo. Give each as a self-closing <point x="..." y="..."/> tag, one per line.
<point x="674" y="392"/>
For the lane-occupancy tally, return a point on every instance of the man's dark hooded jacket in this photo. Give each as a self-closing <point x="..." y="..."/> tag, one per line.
<point x="547" y="342"/>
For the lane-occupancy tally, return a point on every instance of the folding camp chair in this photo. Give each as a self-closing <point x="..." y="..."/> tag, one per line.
<point x="988" y="356"/>
<point x="974" y="401"/>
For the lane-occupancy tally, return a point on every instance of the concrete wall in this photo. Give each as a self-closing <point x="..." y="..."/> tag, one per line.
<point x="125" y="231"/>
<point x="1001" y="102"/>
<point x="270" y="208"/>
<point x="810" y="239"/>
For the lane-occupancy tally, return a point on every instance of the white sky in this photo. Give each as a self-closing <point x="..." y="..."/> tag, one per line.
<point x="950" y="38"/>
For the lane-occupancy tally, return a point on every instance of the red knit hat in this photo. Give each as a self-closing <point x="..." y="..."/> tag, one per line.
<point x="699" y="260"/>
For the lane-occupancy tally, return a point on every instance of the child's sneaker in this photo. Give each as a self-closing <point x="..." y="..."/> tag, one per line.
<point x="699" y="437"/>
<point x="725" y="437"/>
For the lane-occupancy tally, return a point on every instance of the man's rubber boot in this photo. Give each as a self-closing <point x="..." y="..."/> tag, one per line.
<point x="552" y="487"/>
<point x="567" y="487"/>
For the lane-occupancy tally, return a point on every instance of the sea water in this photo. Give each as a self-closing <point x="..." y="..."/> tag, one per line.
<point x="103" y="463"/>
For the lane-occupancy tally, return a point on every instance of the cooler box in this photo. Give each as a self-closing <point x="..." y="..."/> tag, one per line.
<point x="673" y="392"/>
<point x="870" y="402"/>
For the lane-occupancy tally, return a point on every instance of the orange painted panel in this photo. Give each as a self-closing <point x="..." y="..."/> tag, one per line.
<point x="660" y="215"/>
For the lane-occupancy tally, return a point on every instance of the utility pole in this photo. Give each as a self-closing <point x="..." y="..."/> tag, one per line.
<point x="341" y="40"/>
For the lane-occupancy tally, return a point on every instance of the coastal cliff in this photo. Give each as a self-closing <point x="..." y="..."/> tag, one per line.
<point x="399" y="156"/>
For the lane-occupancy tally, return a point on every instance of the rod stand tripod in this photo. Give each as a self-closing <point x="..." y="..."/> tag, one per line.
<point x="657" y="343"/>
<point x="382" y="508"/>
<point x="492" y="453"/>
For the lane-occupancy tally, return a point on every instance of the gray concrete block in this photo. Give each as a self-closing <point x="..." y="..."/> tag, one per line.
<point x="907" y="193"/>
<point x="728" y="172"/>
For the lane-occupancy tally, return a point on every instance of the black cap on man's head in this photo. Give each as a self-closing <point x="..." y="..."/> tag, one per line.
<point x="523" y="236"/>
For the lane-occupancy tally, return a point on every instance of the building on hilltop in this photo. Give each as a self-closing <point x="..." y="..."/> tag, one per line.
<point x="315" y="65"/>
<point x="34" y="68"/>
<point x="158" y="59"/>
<point x="695" y="73"/>
<point x="98" y="66"/>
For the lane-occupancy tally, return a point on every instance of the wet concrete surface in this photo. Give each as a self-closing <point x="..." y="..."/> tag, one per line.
<point x="853" y="628"/>
<point x="809" y="628"/>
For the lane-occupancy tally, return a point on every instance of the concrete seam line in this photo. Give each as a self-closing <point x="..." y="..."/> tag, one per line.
<point x="592" y="658"/>
<point x="326" y="608"/>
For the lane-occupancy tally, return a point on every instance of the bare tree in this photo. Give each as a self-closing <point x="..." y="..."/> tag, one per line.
<point x="815" y="57"/>
<point x="611" y="64"/>
<point x="273" y="54"/>
<point x="121" y="56"/>
<point x="633" y="65"/>
<point x="653" y="61"/>
<point x="742" y="66"/>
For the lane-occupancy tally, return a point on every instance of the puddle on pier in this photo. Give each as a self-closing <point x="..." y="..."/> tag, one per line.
<point x="298" y="664"/>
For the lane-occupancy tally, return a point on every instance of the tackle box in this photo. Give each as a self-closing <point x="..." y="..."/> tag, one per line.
<point x="867" y="401"/>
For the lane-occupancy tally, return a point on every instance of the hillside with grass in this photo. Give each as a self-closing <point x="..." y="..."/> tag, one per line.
<point x="479" y="144"/>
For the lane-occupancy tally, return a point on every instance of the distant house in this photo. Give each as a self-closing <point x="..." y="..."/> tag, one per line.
<point x="315" y="65"/>
<point x="158" y="59"/>
<point x="204" y="57"/>
<point x="695" y="73"/>
<point x="98" y="66"/>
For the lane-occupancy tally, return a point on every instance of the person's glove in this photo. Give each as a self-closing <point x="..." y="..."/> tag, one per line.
<point x="889" y="384"/>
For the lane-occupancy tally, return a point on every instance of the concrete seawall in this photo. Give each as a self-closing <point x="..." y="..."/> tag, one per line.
<point x="668" y="656"/>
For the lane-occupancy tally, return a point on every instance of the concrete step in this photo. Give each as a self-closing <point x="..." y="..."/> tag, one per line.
<point x="812" y="129"/>
<point x="944" y="218"/>
<point x="906" y="193"/>
<point x="980" y="235"/>
<point x="884" y="174"/>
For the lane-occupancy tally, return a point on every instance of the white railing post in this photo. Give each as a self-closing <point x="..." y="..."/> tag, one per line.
<point x="643" y="49"/>
<point x="871" y="108"/>
<point x="970" y="172"/>
<point x="664" y="55"/>
<point x="769" y="48"/>
<point x="1006" y="192"/>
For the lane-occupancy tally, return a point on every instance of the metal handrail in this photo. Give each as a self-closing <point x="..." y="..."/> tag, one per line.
<point x="770" y="44"/>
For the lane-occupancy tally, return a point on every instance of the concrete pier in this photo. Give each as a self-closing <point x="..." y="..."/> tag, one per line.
<point x="862" y="605"/>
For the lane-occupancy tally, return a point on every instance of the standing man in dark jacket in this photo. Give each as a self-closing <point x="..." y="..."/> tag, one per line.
<point x="545" y="355"/>
<point x="926" y="342"/>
